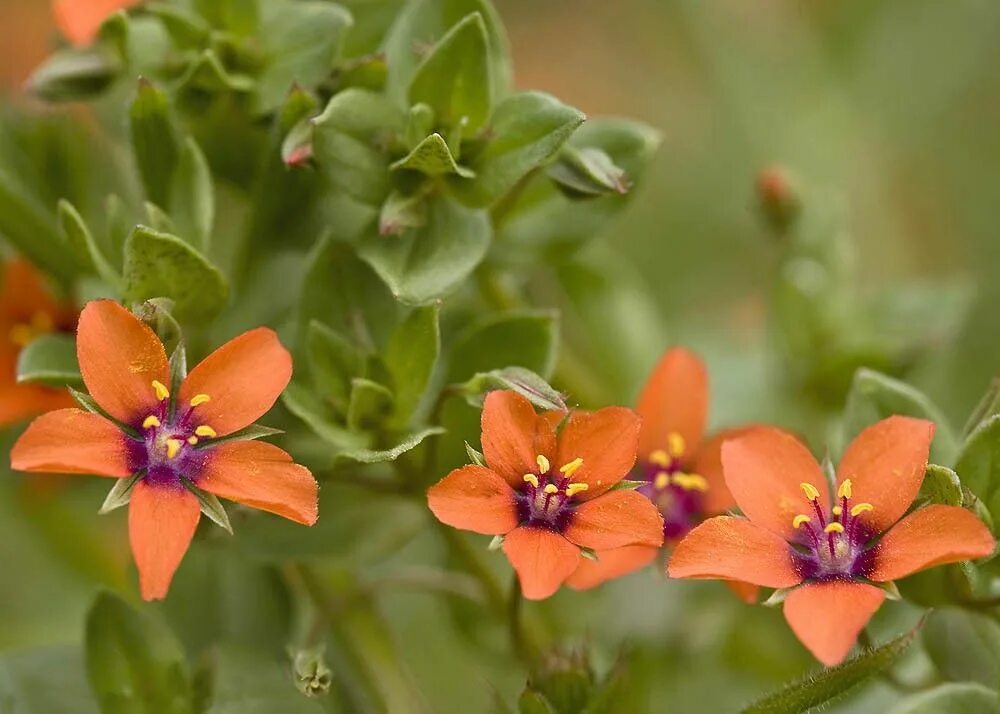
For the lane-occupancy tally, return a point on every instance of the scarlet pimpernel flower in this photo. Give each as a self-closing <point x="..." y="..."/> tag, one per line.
<point x="172" y="436"/>
<point x="680" y="467"/>
<point x="832" y="553"/>
<point x="79" y="20"/>
<point x="28" y="309"/>
<point x="549" y="494"/>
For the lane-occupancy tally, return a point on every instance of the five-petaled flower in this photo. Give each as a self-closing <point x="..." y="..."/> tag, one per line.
<point x="682" y="470"/>
<point x="830" y="552"/>
<point x="28" y="309"/>
<point x="550" y="495"/>
<point x="170" y="436"/>
<point x="79" y="20"/>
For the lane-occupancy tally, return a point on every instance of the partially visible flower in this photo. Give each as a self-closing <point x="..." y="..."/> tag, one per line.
<point x="79" y="20"/>
<point x="830" y="552"/>
<point x="171" y="436"/>
<point x="680" y="468"/>
<point x="549" y="495"/>
<point x="27" y="309"/>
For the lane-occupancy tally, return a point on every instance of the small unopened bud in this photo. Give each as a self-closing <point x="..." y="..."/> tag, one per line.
<point x="312" y="675"/>
<point x="778" y="195"/>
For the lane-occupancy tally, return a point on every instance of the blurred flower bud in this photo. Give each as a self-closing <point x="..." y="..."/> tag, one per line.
<point x="566" y="680"/>
<point x="779" y="197"/>
<point x="312" y="675"/>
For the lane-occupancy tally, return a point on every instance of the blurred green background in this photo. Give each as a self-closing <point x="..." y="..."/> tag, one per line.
<point x="893" y="106"/>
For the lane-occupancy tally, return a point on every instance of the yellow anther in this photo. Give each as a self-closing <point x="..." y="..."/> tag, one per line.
<point x="200" y="399"/>
<point x="837" y="510"/>
<point x="192" y="440"/>
<point x="861" y="508"/>
<point x="675" y="444"/>
<point x="161" y="391"/>
<point x="575" y="488"/>
<point x="551" y="488"/>
<point x="691" y="482"/>
<point x="572" y="467"/>
<point x="173" y="446"/>
<point x="811" y="492"/>
<point x="21" y="335"/>
<point x="532" y="479"/>
<point x="150" y="422"/>
<point x="659" y="458"/>
<point x="800" y="519"/>
<point x="845" y="489"/>
<point x="834" y="528"/>
<point x="662" y="480"/>
<point x="205" y="430"/>
<point x="543" y="464"/>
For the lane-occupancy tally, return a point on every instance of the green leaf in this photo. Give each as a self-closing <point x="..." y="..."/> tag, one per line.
<point x="209" y="74"/>
<point x="410" y="358"/>
<point x="75" y="74"/>
<point x="192" y="197"/>
<point x="350" y="143"/>
<point x="951" y="699"/>
<point x="374" y="456"/>
<point x="241" y="17"/>
<point x="210" y="506"/>
<point x="422" y="23"/>
<point x="300" y="47"/>
<point x="401" y="213"/>
<point x="158" y="218"/>
<point x="155" y="141"/>
<point x="162" y="265"/>
<point x="121" y="493"/>
<point x="526" y="131"/>
<point x="370" y="405"/>
<point x="588" y="172"/>
<point x="253" y="682"/>
<point x="941" y="485"/>
<point x="532" y="702"/>
<point x="333" y="361"/>
<point x="185" y="28"/>
<point x="81" y="242"/>
<point x="50" y="360"/>
<point x="454" y="79"/>
<point x="433" y="158"/>
<point x="27" y="677"/>
<point x="964" y="646"/>
<point x="427" y="263"/>
<point x="874" y="396"/>
<point x="523" y="381"/>
<point x="829" y="684"/>
<point x="516" y="339"/>
<point x="978" y="464"/>
<point x="27" y="225"/>
<point x="305" y="404"/>
<point x="134" y="664"/>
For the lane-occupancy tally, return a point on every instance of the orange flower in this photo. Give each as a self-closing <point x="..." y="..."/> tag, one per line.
<point x="549" y="495"/>
<point x="682" y="470"/>
<point x="79" y="20"/>
<point x="171" y="435"/>
<point x="793" y="536"/>
<point x="27" y="310"/>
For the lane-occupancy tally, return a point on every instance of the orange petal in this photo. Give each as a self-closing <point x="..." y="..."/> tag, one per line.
<point x="827" y="616"/>
<point x="606" y="441"/>
<point x="474" y="499"/>
<point x="119" y="359"/>
<point x="747" y="592"/>
<point x="161" y="523"/>
<point x="243" y="378"/>
<point x="674" y="400"/>
<point x="730" y="548"/>
<point x="71" y="441"/>
<point x="79" y="20"/>
<point x="514" y="436"/>
<point x="542" y="558"/>
<point x="931" y="536"/>
<point x="708" y="464"/>
<point x="763" y="470"/>
<point x="20" y="401"/>
<point x="611" y="564"/>
<point x="886" y="464"/>
<point x="24" y="293"/>
<point x="261" y="475"/>
<point x="616" y="519"/>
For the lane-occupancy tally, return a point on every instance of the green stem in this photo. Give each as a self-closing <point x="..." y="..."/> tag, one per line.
<point x="520" y="639"/>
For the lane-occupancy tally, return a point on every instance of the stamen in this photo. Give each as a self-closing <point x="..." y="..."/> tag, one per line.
<point x="837" y="510"/>
<point x="200" y="399"/>
<point x="551" y="488"/>
<point x="42" y="322"/>
<point x="660" y="458"/>
<point x="861" y="508"/>
<point x="812" y="493"/>
<point x="675" y="444"/>
<point x="192" y="440"/>
<point x="173" y="446"/>
<point x="161" y="391"/>
<point x="150" y="422"/>
<point x="834" y="527"/>
<point x="662" y="480"/>
<point x="845" y="489"/>
<point x="205" y="430"/>
<point x="543" y="464"/>
<point x="800" y="519"/>
<point x="571" y="468"/>
<point x="691" y="482"/>
<point x="21" y="335"/>
<point x="575" y="488"/>
<point x="532" y="479"/>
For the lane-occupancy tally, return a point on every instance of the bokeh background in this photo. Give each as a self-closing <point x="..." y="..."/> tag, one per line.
<point x="891" y="106"/>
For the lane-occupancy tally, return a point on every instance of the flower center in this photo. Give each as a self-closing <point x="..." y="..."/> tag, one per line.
<point x="23" y="333"/>
<point x="679" y="495"/>
<point x="547" y="497"/>
<point x="832" y="545"/>
<point x="168" y="448"/>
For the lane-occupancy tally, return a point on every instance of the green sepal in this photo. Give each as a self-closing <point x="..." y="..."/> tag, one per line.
<point x="587" y="172"/>
<point x="210" y="506"/>
<point x="589" y="554"/>
<point x="250" y="433"/>
<point x="475" y="456"/>
<point x="121" y="493"/>
<point x="628" y="485"/>
<point x="496" y="543"/>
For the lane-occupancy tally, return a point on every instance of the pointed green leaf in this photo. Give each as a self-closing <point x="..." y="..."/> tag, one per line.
<point x="475" y="456"/>
<point x="50" y="360"/>
<point x="941" y="485"/>
<point x="411" y="357"/>
<point x="523" y="381"/>
<point x="192" y="197"/>
<point x="432" y="157"/>
<point x="374" y="456"/>
<point x="209" y="74"/>
<point x="333" y="362"/>
<point x="588" y="172"/>
<point x="370" y="405"/>
<point x="978" y="464"/>
<point x="75" y="74"/>
<point x="158" y="219"/>
<point x="305" y="404"/>
<point x="121" y="493"/>
<point x="155" y="141"/>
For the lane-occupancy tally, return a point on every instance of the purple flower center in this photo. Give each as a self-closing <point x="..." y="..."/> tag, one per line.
<point x="833" y="544"/>
<point x="547" y="498"/>
<point x="679" y="496"/>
